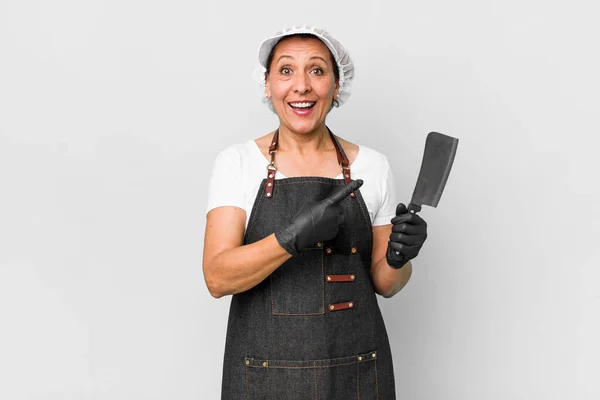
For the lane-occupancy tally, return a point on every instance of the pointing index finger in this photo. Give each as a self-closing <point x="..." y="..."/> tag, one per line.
<point x="344" y="192"/>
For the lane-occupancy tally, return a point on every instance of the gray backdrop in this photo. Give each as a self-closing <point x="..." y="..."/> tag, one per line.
<point x="111" y="114"/>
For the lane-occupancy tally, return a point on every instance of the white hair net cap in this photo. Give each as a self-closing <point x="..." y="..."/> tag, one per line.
<point x="340" y="55"/>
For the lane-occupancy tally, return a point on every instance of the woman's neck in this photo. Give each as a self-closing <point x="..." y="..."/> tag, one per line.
<point x="306" y="143"/>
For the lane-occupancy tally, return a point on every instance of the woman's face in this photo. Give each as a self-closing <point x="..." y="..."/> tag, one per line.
<point x="301" y="83"/>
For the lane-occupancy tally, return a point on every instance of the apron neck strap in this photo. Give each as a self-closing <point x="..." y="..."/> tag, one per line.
<point x="271" y="169"/>
<point x="341" y="155"/>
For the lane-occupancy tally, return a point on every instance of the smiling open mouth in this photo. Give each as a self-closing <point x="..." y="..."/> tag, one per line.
<point x="305" y="105"/>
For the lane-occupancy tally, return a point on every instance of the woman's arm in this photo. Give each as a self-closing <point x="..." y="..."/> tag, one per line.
<point x="387" y="280"/>
<point x="229" y="267"/>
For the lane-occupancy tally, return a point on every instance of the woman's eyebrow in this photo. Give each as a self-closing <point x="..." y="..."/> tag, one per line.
<point x="284" y="56"/>
<point x="313" y="57"/>
<point x="320" y="58"/>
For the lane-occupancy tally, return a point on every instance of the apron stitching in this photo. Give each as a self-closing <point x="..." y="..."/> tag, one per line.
<point x="376" y="381"/>
<point x="253" y="215"/>
<point x="268" y="384"/>
<point x="315" y="366"/>
<point x="272" y="301"/>
<point x="299" y="182"/>
<point x="315" y="378"/>
<point x="298" y="315"/>
<point x="273" y="312"/>
<point x="247" y="396"/>
<point x="323" y="281"/>
<point x="358" y="381"/>
<point x="366" y="216"/>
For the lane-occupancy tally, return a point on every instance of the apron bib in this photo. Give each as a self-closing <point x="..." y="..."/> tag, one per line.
<point x="313" y="328"/>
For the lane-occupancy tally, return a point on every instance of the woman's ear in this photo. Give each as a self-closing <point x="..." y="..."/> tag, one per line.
<point x="336" y="91"/>
<point x="267" y="87"/>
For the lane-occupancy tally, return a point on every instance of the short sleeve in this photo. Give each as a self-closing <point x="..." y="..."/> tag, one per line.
<point x="225" y="184"/>
<point x="389" y="197"/>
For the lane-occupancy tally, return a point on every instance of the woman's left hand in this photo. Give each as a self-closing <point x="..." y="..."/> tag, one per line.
<point x="409" y="232"/>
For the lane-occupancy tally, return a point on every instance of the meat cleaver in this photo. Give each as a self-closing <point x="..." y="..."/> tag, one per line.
<point x="437" y="162"/>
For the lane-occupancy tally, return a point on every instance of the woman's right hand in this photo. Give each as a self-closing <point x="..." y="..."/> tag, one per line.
<point x="315" y="222"/>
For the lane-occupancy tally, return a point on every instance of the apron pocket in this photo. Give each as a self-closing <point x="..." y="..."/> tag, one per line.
<point x="298" y="285"/>
<point x="353" y="377"/>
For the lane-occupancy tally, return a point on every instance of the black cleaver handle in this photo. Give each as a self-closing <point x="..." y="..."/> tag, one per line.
<point x="414" y="208"/>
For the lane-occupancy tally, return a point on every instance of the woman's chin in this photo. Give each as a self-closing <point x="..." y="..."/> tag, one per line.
<point x="304" y="127"/>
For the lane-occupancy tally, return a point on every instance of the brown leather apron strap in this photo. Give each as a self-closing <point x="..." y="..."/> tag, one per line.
<point x="342" y="160"/>
<point x="335" y="278"/>
<point x="341" y="155"/>
<point x="271" y="168"/>
<point x="341" y="306"/>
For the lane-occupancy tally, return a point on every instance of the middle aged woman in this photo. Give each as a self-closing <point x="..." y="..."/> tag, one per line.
<point x="300" y="247"/>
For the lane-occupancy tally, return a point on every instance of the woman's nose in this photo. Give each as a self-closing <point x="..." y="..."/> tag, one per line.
<point x="302" y="83"/>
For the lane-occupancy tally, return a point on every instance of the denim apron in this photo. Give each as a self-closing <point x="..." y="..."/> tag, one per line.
<point x="313" y="328"/>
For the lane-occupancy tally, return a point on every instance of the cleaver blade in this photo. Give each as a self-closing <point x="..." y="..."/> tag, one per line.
<point x="437" y="162"/>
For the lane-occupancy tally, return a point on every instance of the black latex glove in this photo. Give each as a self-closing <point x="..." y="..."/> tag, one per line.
<point x="409" y="232"/>
<point x="316" y="222"/>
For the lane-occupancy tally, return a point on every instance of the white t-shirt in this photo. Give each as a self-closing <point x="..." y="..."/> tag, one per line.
<point x="239" y="170"/>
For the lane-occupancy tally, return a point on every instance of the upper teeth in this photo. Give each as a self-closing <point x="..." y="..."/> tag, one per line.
<point x="302" y="105"/>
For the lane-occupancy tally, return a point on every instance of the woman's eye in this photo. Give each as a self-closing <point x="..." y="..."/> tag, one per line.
<point x="317" y="71"/>
<point x="285" y="71"/>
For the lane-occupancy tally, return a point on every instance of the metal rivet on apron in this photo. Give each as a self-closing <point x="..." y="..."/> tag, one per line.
<point x="397" y="253"/>
<point x="332" y="307"/>
<point x="347" y="176"/>
<point x="247" y="362"/>
<point x="359" y="358"/>
<point x="353" y="195"/>
<point x="265" y="364"/>
<point x="268" y="194"/>
<point x="354" y="250"/>
<point x="328" y="251"/>
<point x="374" y="355"/>
<point x="269" y="184"/>
<point x="270" y="175"/>
<point x="319" y="245"/>
<point x="350" y="305"/>
<point x="329" y="278"/>
<point x="352" y="277"/>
